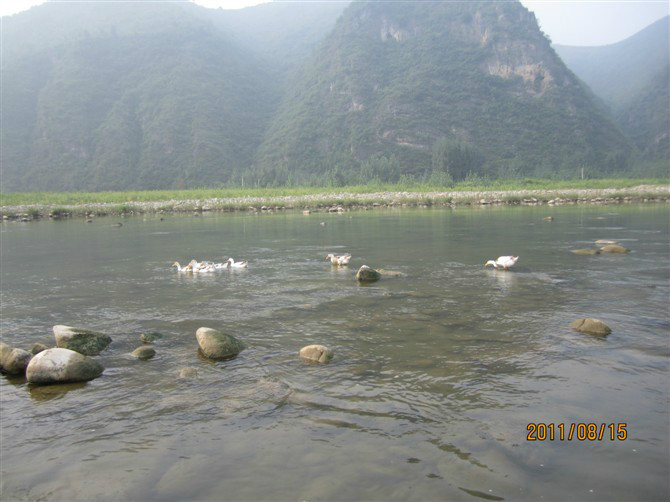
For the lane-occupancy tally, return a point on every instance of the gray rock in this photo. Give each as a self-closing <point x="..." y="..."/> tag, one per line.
<point x="13" y="361"/>
<point x="143" y="353"/>
<point x="614" y="248"/>
<point x="62" y="365"/>
<point x="84" y="341"/>
<point x="591" y="327"/>
<point x="188" y="373"/>
<point x="37" y="348"/>
<point x="586" y="251"/>
<point x="316" y="353"/>
<point x="215" y="344"/>
<point x="150" y="337"/>
<point x="367" y="274"/>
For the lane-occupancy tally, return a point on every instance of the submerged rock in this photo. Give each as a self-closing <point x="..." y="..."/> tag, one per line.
<point x="188" y="373"/>
<point x="218" y="345"/>
<point x="84" y="341"/>
<point x="150" y="337"/>
<point x="62" y="365"/>
<point x="614" y="248"/>
<point x="391" y="273"/>
<point x="367" y="274"/>
<point x="586" y="251"/>
<point x="143" y="353"/>
<point x="317" y="353"/>
<point x="13" y="361"/>
<point x="591" y="327"/>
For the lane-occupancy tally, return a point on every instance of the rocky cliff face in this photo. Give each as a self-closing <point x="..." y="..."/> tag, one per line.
<point x="394" y="78"/>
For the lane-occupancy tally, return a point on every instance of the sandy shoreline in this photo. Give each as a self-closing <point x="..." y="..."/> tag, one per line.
<point x="345" y="201"/>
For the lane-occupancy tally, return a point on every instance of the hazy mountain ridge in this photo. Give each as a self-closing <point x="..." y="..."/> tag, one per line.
<point x="617" y="73"/>
<point x="393" y="79"/>
<point x="100" y="96"/>
<point x="125" y="96"/>
<point x="646" y="119"/>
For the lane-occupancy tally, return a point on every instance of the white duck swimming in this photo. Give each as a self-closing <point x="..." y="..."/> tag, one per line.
<point x="237" y="264"/>
<point x="186" y="268"/>
<point x="202" y="266"/>
<point x="339" y="260"/>
<point x="503" y="262"/>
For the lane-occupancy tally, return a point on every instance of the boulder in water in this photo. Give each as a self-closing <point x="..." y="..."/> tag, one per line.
<point x="13" y="361"/>
<point x="367" y="274"/>
<point x="150" y="337"/>
<point x="591" y="327"/>
<point x="60" y="365"/>
<point x="84" y="341"/>
<point x="614" y="248"/>
<point x="215" y="344"/>
<point x="316" y="353"/>
<point x="143" y="353"/>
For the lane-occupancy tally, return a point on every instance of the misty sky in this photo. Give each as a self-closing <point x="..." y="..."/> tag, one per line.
<point x="567" y="22"/>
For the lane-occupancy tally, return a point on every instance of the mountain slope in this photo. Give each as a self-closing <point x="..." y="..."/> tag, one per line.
<point x="647" y="117"/>
<point x="181" y="107"/>
<point x="394" y="81"/>
<point x="618" y="73"/>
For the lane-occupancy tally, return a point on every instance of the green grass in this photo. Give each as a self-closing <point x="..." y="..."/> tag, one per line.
<point x="125" y="199"/>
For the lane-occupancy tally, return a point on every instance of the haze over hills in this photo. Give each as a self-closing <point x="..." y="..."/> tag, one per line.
<point x="618" y="73"/>
<point x="116" y="96"/>
<point x="633" y="78"/>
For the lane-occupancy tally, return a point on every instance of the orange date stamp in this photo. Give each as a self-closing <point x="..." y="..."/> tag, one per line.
<point x="577" y="431"/>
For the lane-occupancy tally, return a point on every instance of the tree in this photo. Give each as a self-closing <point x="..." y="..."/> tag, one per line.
<point x="456" y="158"/>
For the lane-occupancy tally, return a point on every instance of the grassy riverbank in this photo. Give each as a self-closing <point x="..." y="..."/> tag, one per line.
<point x="26" y="207"/>
<point x="79" y="198"/>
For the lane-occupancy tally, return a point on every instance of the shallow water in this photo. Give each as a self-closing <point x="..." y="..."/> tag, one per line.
<point x="435" y="378"/>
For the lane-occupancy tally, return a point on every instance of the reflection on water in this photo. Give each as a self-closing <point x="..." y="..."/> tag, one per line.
<point x="437" y="372"/>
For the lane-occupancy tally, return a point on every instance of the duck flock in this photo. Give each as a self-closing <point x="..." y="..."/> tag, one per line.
<point x="197" y="267"/>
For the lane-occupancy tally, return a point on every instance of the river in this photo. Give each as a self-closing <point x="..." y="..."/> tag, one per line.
<point x="436" y="374"/>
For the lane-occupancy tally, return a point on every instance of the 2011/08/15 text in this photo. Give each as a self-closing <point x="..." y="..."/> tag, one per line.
<point x="579" y="431"/>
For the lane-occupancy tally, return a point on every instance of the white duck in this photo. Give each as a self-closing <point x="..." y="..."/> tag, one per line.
<point x="202" y="266"/>
<point x="185" y="268"/>
<point x="237" y="264"/>
<point x="503" y="262"/>
<point x="339" y="260"/>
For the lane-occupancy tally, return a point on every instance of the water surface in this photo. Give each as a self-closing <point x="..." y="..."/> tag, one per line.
<point x="435" y="377"/>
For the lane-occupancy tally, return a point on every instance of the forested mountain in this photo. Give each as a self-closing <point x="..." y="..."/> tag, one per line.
<point x="111" y="96"/>
<point x="619" y="73"/>
<point x="173" y="108"/>
<point x="408" y="87"/>
<point x="141" y="95"/>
